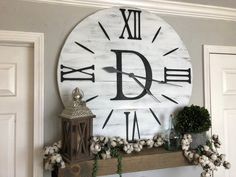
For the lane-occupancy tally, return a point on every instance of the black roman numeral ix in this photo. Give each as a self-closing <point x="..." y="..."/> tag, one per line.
<point x="69" y="71"/>
<point x="134" y="32"/>
<point x="177" y="75"/>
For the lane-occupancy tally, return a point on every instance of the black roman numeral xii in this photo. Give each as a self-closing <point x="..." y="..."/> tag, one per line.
<point x="133" y="29"/>
<point x="69" y="71"/>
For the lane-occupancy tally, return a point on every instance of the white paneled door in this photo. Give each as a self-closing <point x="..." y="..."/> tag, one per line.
<point x="220" y="89"/>
<point x="16" y="110"/>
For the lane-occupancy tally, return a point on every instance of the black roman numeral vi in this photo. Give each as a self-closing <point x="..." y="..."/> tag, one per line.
<point x="135" y="126"/>
<point x="177" y="75"/>
<point x="70" y="71"/>
<point x="136" y="33"/>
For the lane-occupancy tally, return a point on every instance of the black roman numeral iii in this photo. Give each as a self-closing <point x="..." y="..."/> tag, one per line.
<point x="133" y="29"/>
<point x="177" y="75"/>
<point x="69" y="71"/>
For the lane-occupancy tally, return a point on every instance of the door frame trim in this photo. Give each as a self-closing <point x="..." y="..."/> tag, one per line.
<point x="207" y="51"/>
<point x="36" y="40"/>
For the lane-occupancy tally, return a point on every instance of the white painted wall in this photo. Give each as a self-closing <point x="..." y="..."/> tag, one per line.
<point x="57" y="21"/>
<point x="224" y="3"/>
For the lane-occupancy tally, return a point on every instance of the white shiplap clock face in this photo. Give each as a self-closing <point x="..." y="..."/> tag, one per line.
<point x="133" y="68"/>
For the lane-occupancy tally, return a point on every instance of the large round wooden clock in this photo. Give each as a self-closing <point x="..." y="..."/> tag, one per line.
<point x="133" y="68"/>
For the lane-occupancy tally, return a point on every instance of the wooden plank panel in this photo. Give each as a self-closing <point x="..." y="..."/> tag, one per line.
<point x="149" y="159"/>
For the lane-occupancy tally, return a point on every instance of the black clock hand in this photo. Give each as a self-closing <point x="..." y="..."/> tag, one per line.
<point x="111" y="69"/>
<point x="147" y="90"/>
<point x="132" y="75"/>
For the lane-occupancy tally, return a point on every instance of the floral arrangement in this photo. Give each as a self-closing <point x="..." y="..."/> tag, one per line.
<point x="102" y="145"/>
<point x="107" y="147"/>
<point x="52" y="157"/>
<point x="205" y="155"/>
<point x="192" y="119"/>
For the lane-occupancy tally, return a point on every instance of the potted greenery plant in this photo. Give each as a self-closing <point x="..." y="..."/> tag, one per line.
<point x="195" y="120"/>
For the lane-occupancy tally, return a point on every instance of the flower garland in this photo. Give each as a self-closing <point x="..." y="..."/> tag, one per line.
<point x="107" y="147"/>
<point x="104" y="145"/>
<point x="205" y="155"/>
<point x="52" y="157"/>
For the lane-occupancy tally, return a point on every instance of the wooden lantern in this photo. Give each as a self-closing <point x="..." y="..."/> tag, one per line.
<point x="77" y="123"/>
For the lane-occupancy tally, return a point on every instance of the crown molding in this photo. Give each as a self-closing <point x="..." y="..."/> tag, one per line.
<point x="156" y="6"/>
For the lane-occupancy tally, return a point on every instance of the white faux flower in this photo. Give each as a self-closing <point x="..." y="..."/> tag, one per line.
<point x="215" y="137"/>
<point x="128" y="152"/>
<point x="155" y="137"/>
<point x="150" y="143"/>
<point x="206" y="148"/>
<point x="213" y="157"/>
<point x="128" y="148"/>
<point x="131" y="147"/>
<point x="186" y="153"/>
<point x="142" y="142"/>
<point x="95" y="147"/>
<point x="101" y="138"/>
<point x="137" y="149"/>
<point x="184" y="141"/>
<point x="46" y="151"/>
<point x="217" y="144"/>
<point x="227" y="165"/>
<point x="125" y="141"/>
<point x="125" y="148"/>
<point x="63" y="164"/>
<point x="59" y="144"/>
<point x="112" y="138"/>
<point x="51" y="151"/>
<point x="222" y="157"/>
<point x="190" y="155"/>
<point x="48" y="166"/>
<point x="202" y="160"/>
<point x="189" y="136"/>
<point x="211" y="166"/>
<point x="185" y="147"/>
<point x="113" y="144"/>
<point x="135" y="145"/>
<point x="104" y="156"/>
<point x="95" y="139"/>
<point x="58" y="159"/>
<point x="118" y="139"/>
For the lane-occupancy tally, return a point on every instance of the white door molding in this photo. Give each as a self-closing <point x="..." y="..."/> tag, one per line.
<point x="212" y="49"/>
<point x="37" y="41"/>
<point x="220" y="94"/>
<point x="156" y="6"/>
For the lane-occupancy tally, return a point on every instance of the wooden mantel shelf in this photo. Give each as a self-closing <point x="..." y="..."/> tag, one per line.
<point x="148" y="159"/>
